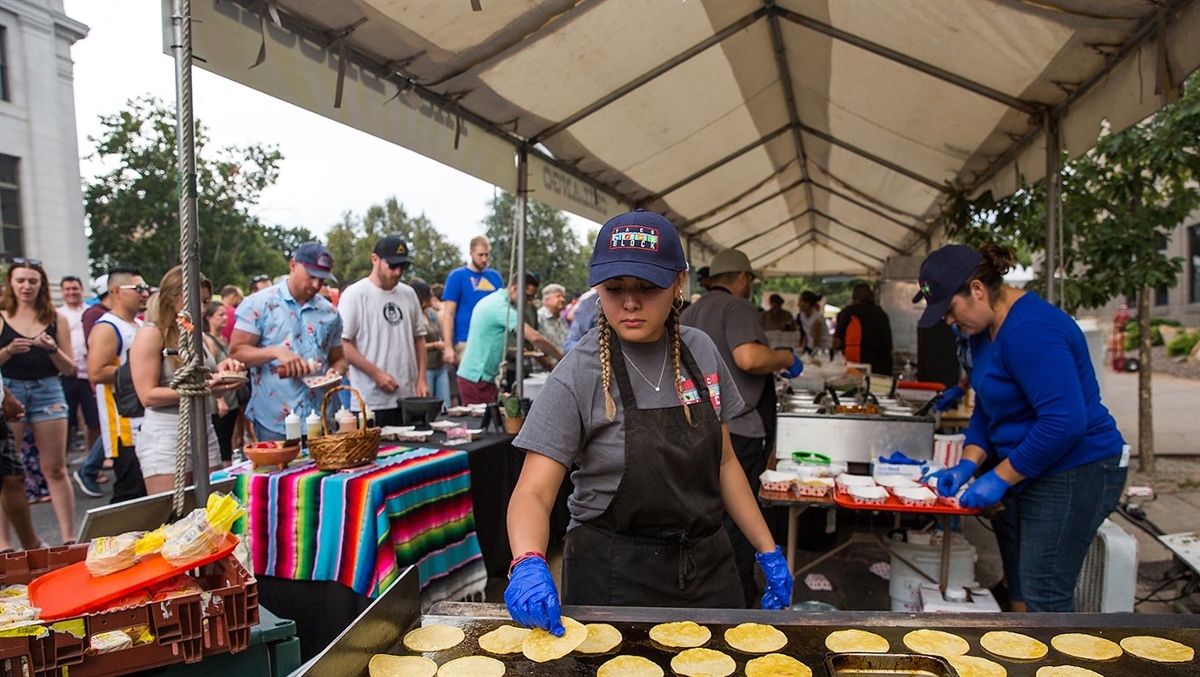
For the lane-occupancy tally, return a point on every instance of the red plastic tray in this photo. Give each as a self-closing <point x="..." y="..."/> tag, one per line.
<point x="893" y="504"/>
<point x="72" y="591"/>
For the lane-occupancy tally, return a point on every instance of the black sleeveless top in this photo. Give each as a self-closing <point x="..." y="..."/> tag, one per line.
<point x="28" y="366"/>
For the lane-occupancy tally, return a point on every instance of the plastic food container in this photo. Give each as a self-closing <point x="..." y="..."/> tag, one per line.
<point x="847" y="481"/>
<point x="872" y="495"/>
<point x="812" y="486"/>
<point x="915" y="496"/>
<point x="773" y="480"/>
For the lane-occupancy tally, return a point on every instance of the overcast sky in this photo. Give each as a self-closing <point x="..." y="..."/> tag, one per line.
<point x="122" y="58"/>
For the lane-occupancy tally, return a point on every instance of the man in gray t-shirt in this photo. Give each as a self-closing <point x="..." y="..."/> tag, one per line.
<point x="727" y="316"/>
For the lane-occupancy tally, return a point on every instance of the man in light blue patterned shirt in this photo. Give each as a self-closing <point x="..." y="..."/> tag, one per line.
<point x="284" y="333"/>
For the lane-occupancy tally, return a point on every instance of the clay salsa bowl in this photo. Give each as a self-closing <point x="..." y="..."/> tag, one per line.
<point x="270" y="454"/>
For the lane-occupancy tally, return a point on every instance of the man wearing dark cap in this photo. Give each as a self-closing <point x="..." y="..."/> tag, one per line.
<point x="283" y="333"/>
<point x="383" y="335"/>
<point x="492" y="323"/>
<point x="864" y="333"/>
<point x="776" y="318"/>
<point x="703" y="278"/>
<point x="730" y="320"/>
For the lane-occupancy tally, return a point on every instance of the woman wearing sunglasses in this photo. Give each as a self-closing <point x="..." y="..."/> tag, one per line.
<point x="35" y="349"/>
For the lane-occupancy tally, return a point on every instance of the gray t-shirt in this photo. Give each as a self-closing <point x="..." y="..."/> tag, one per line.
<point x="567" y="421"/>
<point x="384" y="325"/>
<point x="731" y="321"/>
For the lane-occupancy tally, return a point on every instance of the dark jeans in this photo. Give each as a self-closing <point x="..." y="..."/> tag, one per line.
<point x="80" y="397"/>
<point x="1046" y="529"/>
<point x="128" y="483"/>
<point x="223" y="426"/>
<point x="752" y="454"/>
<point x="94" y="461"/>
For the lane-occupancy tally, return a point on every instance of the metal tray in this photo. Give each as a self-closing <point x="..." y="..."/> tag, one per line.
<point x="886" y="665"/>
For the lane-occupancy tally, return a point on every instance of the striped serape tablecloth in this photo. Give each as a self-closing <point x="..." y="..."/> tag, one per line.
<point x="362" y="527"/>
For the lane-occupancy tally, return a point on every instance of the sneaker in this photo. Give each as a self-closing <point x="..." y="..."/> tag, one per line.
<point x="87" y="485"/>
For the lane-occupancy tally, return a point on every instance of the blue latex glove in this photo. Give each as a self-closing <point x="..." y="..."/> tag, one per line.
<point x="949" y="399"/>
<point x="950" y="480"/>
<point x="532" y="598"/>
<point x="779" y="580"/>
<point x="987" y="490"/>
<point x="797" y="367"/>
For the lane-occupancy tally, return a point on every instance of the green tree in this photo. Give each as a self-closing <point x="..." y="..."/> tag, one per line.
<point x="552" y="249"/>
<point x="1120" y="203"/>
<point x="132" y="210"/>
<point x="352" y="240"/>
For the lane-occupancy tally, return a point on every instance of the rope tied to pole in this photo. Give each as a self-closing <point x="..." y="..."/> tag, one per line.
<point x="191" y="382"/>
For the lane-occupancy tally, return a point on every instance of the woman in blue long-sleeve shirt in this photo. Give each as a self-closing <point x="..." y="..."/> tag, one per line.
<point x="1062" y="462"/>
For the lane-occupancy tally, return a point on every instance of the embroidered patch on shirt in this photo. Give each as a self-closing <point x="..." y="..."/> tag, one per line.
<point x="634" y="237"/>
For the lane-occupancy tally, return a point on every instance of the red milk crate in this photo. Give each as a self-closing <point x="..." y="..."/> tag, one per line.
<point x="185" y="629"/>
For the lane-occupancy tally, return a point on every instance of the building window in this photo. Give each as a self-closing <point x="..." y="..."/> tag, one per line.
<point x="1194" y="263"/>
<point x="4" y="96"/>
<point x="10" y="207"/>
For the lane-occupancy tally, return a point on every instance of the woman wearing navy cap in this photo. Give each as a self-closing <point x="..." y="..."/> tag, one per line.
<point x="638" y="409"/>
<point x="1062" y="462"/>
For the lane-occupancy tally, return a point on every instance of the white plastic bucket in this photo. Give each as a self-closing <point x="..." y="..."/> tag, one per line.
<point x="948" y="449"/>
<point x="904" y="586"/>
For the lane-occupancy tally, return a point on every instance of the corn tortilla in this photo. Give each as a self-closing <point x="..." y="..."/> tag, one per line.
<point x="630" y="666"/>
<point x="601" y="638"/>
<point x="504" y="640"/>
<point x="684" y="634"/>
<point x="1013" y="645"/>
<point x="1066" y="671"/>
<point x="755" y="638"/>
<point x="936" y="643"/>
<point x="433" y="638"/>
<point x="848" y="641"/>
<point x="973" y="666"/>
<point x="1087" y="647"/>
<point x="1158" y="649"/>
<point x="472" y="666"/>
<point x="703" y="663"/>
<point x="776" y="665"/>
<point x="387" y="665"/>
<point x="541" y="646"/>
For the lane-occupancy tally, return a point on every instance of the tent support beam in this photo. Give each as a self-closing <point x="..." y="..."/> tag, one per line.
<point x="743" y="210"/>
<point x="857" y="231"/>
<point x="620" y="92"/>
<point x="903" y="59"/>
<point x="878" y="212"/>
<point x="521" y="208"/>
<point x="851" y="248"/>
<point x="189" y="255"/>
<point x="789" y="95"/>
<point x="874" y="158"/>
<point x="736" y="198"/>
<point x="772" y="229"/>
<point x="1053" y="200"/>
<point x="718" y="164"/>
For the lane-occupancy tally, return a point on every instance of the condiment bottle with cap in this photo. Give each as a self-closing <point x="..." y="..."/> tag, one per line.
<point x="312" y="425"/>
<point x="291" y="426"/>
<point x="347" y="421"/>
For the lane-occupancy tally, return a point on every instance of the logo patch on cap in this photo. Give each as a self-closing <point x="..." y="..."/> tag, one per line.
<point x="324" y="261"/>
<point x="634" y="237"/>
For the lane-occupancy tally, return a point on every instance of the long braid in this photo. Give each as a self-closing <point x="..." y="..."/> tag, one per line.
<point x="673" y="338"/>
<point x="605" y="339"/>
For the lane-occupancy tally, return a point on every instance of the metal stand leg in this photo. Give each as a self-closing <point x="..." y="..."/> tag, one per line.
<point x="944" y="578"/>
<point x="793" y="524"/>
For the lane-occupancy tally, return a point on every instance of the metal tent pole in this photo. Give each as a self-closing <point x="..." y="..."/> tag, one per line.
<point x="1053" y="200"/>
<point x="521" y="211"/>
<point x="197" y="433"/>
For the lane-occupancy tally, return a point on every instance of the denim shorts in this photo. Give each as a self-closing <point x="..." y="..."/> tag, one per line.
<point x="43" y="398"/>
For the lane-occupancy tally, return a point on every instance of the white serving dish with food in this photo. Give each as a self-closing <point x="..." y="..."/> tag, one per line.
<point x="812" y="486"/>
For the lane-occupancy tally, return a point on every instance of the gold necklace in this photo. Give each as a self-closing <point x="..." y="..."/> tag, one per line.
<point x="661" y="371"/>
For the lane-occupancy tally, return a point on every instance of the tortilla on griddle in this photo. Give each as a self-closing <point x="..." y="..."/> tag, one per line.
<point x="504" y="640"/>
<point x="1066" y="671"/>
<point x="973" y="666"/>
<point x="472" y="666"/>
<point x="703" y="663"/>
<point x="387" y="665"/>
<point x="1013" y="645"/>
<point x="433" y="638"/>
<point x="1087" y="647"/>
<point x="776" y="665"/>
<point x="683" y="634"/>
<point x="755" y="638"/>
<point x="601" y="638"/>
<point x="1158" y="649"/>
<point x="630" y="666"/>
<point x="541" y="646"/>
<point x="851" y="641"/>
<point x="936" y="643"/>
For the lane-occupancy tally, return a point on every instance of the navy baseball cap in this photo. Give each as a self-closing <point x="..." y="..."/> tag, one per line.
<point x="638" y="244"/>
<point x="943" y="273"/>
<point x="315" y="258"/>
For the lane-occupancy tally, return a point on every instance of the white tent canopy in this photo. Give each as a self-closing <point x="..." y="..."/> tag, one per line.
<point x="815" y="135"/>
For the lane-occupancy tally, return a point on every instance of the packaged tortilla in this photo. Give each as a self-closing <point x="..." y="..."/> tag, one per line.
<point x="17" y="592"/>
<point x="110" y="554"/>
<point x="189" y="539"/>
<point x="178" y="586"/>
<point x="17" y="612"/>
<point x="107" y="642"/>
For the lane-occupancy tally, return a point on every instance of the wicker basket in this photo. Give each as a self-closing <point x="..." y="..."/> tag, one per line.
<point x="345" y="450"/>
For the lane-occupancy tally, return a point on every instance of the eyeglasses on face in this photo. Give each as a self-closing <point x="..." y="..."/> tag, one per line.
<point x="397" y="266"/>
<point x="21" y="261"/>
<point x="139" y="288"/>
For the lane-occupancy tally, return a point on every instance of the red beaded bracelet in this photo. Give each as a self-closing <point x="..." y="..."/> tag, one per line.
<point x="528" y="555"/>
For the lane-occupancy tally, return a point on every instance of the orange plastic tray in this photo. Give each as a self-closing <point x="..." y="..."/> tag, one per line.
<point x="893" y="504"/>
<point x="72" y="591"/>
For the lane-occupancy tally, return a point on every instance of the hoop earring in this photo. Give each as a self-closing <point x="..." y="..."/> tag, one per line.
<point x="677" y="304"/>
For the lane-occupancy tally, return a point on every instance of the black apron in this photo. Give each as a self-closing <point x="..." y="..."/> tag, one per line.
<point x="660" y="542"/>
